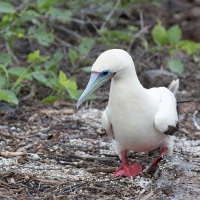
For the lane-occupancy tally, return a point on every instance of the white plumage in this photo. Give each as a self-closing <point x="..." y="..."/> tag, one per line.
<point x="137" y="118"/>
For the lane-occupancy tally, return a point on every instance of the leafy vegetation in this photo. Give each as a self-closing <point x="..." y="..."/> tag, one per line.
<point x="44" y="43"/>
<point x="171" y="39"/>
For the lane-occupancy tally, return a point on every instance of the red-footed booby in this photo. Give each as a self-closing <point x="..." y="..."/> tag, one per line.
<point x="138" y="119"/>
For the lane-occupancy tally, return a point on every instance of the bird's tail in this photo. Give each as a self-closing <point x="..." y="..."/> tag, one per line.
<point x="173" y="86"/>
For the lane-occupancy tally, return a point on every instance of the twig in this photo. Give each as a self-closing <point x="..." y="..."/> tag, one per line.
<point x="63" y="103"/>
<point x="52" y="112"/>
<point x="8" y="154"/>
<point x="141" y="20"/>
<point x="23" y="6"/>
<point x="138" y="34"/>
<point x="148" y="196"/>
<point x="110" y="14"/>
<point x="100" y="169"/>
<point x="63" y="43"/>
<point x="67" y="31"/>
<point x="43" y="181"/>
<point x="11" y="53"/>
<point x="57" y="112"/>
<point x="30" y="95"/>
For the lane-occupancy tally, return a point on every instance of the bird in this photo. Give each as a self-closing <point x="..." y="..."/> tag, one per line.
<point x="136" y="118"/>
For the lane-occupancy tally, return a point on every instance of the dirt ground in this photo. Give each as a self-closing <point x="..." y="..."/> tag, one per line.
<point x="58" y="152"/>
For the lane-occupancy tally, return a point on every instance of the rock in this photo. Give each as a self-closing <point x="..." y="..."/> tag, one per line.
<point x="157" y="78"/>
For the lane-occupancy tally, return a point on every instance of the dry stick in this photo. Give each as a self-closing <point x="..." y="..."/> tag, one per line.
<point x="12" y="54"/>
<point x="141" y="20"/>
<point x="63" y="43"/>
<point x="142" y="31"/>
<point x="148" y="196"/>
<point x="110" y="14"/>
<point x="63" y="103"/>
<point x="57" y="112"/>
<point x="67" y="31"/>
<point x="8" y="154"/>
<point x="100" y="169"/>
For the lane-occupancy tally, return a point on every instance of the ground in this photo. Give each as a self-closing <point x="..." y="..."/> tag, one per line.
<point x="59" y="152"/>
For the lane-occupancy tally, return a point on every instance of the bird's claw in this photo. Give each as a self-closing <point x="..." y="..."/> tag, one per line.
<point x="163" y="153"/>
<point x="128" y="170"/>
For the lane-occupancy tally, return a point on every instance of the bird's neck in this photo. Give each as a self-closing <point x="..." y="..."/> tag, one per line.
<point x="127" y="84"/>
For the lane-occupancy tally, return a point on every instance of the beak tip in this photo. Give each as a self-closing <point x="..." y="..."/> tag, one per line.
<point x="78" y="104"/>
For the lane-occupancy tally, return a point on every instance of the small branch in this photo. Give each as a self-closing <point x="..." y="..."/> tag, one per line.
<point x="8" y="154"/>
<point x="138" y="34"/>
<point x="52" y="112"/>
<point x="62" y="42"/>
<point x="11" y="53"/>
<point x="67" y="31"/>
<point x="110" y="14"/>
<point x="141" y="20"/>
<point x="100" y="169"/>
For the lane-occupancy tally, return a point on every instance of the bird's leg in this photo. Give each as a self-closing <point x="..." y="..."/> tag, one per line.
<point x="126" y="169"/>
<point x="163" y="152"/>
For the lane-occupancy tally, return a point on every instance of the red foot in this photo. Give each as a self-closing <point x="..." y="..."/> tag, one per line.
<point x="163" y="152"/>
<point x="126" y="169"/>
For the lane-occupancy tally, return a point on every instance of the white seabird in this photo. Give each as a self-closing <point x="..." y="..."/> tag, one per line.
<point x="138" y="119"/>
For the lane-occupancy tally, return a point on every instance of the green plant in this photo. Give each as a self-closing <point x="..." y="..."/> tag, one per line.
<point x="30" y="23"/>
<point x="82" y="50"/>
<point x="33" y="32"/>
<point x="16" y="78"/>
<point x="171" y="39"/>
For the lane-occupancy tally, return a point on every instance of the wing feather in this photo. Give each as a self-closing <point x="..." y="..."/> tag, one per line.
<point x="107" y="125"/>
<point x="166" y="118"/>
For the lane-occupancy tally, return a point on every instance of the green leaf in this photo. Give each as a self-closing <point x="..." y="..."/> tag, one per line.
<point x="44" y="38"/>
<point x="29" y="15"/>
<point x="68" y="84"/>
<point x="2" y="81"/>
<point x="62" y="15"/>
<point x="189" y="46"/>
<point x="6" y="7"/>
<point x="50" y="99"/>
<point x="86" y="45"/>
<point x="71" y="88"/>
<point x="62" y="78"/>
<point x="54" y="83"/>
<point x="73" y="55"/>
<point x="5" y="59"/>
<point x="86" y="69"/>
<point x="115" y="36"/>
<point x="38" y="75"/>
<point x="41" y="35"/>
<point x="46" y="4"/>
<point x="8" y="96"/>
<point x="159" y="34"/>
<point x="174" y="35"/>
<point x="52" y="64"/>
<point x="17" y="71"/>
<point x="35" y="57"/>
<point x="176" y="66"/>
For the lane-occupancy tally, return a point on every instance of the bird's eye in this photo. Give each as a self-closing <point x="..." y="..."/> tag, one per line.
<point x="104" y="73"/>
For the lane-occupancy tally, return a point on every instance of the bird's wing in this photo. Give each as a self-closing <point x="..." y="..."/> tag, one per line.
<point x="106" y="124"/>
<point x="166" y="118"/>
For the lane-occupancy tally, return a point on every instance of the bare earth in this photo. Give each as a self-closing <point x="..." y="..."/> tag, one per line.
<point x="59" y="153"/>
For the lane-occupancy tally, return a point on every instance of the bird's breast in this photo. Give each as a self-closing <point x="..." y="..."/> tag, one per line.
<point x="133" y="124"/>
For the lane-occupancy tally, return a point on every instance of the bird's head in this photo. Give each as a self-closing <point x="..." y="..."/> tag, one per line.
<point x="105" y="67"/>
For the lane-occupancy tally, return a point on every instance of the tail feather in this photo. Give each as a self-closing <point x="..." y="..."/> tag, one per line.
<point x="174" y="85"/>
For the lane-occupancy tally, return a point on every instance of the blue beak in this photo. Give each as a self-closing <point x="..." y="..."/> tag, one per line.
<point x="94" y="83"/>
